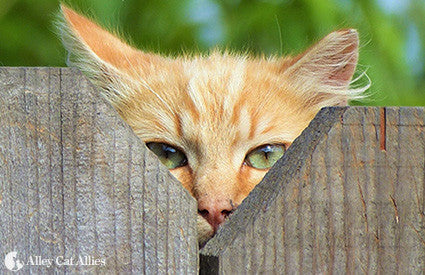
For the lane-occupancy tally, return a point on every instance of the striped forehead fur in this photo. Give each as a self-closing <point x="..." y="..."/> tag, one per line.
<point x="215" y="82"/>
<point x="150" y="89"/>
<point x="220" y="94"/>
<point x="217" y="108"/>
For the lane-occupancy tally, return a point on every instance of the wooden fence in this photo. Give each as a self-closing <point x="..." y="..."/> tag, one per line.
<point x="80" y="191"/>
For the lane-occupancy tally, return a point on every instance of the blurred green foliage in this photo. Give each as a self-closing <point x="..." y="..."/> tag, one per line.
<point x="392" y="33"/>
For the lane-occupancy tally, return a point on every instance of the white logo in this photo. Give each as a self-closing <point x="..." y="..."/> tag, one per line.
<point x="12" y="262"/>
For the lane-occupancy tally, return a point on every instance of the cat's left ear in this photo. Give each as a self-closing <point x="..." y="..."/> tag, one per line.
<point x="106" y="59"/>
<point x="323" y="73"/>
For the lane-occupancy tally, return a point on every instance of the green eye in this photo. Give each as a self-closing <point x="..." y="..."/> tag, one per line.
<point x="168" y="155"/>
<point x="263" y="157"/>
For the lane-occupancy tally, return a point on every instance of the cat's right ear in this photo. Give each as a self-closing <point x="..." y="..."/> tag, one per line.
<point x="323" y="73"/>
<point x="108" y="61"/>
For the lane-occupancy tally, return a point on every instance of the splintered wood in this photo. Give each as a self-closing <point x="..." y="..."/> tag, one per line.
<point x="77" y="184"/>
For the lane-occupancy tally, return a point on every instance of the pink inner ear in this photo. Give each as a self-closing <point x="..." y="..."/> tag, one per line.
<point x="333" y="58"/>
<point x="345" y="72"/>
<point x="323" y="73"/>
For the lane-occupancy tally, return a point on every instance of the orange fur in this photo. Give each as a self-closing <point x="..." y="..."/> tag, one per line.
<point x="215" y="108"/>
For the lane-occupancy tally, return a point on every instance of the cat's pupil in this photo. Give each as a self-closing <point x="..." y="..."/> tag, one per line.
<point x="265" y="156"/>
<point x="168" y="155"/>
<point x="267" y="150"/>
<point x="168" y="150"/>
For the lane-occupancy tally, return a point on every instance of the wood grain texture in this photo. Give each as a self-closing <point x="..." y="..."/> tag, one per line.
<point x="75" y="181"/>
<point x="347" y="197"/>
<point x="337" y="202"/>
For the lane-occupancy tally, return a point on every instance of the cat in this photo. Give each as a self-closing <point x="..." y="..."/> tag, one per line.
<point x="218" y="121"/>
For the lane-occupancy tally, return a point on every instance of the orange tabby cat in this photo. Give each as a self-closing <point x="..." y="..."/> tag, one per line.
<point x="217" y="121"/>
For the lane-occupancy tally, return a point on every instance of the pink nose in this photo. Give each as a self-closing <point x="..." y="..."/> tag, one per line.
<point x="215" y="212"/>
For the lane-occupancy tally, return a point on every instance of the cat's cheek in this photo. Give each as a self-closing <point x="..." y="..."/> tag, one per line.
<point x="184" y="175"/>
<point x="248" y="178"/>
<point x="205" y="230"/>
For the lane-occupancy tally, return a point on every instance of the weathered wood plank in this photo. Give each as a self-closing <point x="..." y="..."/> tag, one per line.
<point x="337" y="202"/>
<point x="348" y="197"/>
<point x="75" y="181"/>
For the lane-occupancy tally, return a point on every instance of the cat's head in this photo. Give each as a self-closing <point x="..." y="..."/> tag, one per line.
<point x="217" y="121"/>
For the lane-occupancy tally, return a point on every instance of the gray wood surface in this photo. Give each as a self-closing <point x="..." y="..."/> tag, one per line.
<point x="347" y="197"/>
<point x="75" y="181"/>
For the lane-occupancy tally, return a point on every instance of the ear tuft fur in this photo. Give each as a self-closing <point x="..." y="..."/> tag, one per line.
<point x="323" y="73"/>
<point x="108" y="61"/>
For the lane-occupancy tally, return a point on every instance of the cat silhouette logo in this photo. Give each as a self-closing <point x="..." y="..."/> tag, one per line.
<point x="12" y="262"/>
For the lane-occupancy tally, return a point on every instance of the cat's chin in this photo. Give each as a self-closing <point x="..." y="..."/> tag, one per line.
<point x="205" y="230"/>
